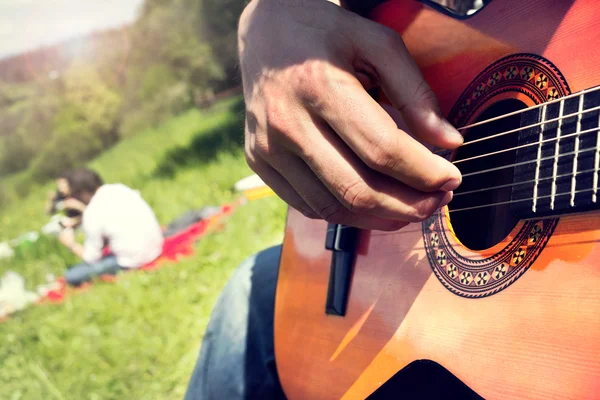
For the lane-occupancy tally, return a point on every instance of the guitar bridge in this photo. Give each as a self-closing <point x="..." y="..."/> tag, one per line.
<point x="341" y="240"/>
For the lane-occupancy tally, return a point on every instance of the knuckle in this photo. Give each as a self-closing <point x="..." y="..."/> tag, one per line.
<point x="277" y="116"/>
<point x="423" y="94"/>
<point x="311" y="82"/>
<point x="359" y="198"/>
<point x="282" y="129"/>
<point x="382" y="157"/>
<point x="262" y="148"/>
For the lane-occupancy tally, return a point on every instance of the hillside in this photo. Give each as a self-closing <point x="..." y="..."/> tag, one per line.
<point x="50" y="62"/>
<point x="138" y="338"/>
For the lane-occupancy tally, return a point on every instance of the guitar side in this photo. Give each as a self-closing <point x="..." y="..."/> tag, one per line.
<point x="538" y="337"/>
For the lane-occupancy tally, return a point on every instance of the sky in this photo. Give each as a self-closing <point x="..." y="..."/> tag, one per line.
<point x="28" y="24"/>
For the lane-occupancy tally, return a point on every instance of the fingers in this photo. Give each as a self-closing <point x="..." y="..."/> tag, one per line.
<point x="322" y="143"/>
<point x="374" y="136"/>
<point x="317" y="201"/>
<point x="403" y="83"/>
<point x="358" y="188"/>
<point x="277" y="183"/>
<point x="324" y="203"/>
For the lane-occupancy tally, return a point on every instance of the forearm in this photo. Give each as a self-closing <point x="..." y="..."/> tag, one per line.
<point x="341" y="3"/>
<point x="77" y="249"/>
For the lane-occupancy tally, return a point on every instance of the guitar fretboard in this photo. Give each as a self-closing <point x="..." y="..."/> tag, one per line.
<point x="557" y="173"/>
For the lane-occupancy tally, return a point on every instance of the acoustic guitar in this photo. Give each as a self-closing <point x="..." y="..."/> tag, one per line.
<point x="498" y="294"/>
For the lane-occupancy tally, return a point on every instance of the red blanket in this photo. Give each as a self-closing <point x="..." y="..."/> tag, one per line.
<point x="174" y="248"/>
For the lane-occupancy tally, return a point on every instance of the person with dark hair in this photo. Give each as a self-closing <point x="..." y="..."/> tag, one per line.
<point x="58" y="205"/>
<point x="83" y="184"/>
<point x="113" y="215"/>
<point x="57" y="197"/>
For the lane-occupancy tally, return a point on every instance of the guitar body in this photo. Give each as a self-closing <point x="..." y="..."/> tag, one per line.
<point x="517" y="319"/>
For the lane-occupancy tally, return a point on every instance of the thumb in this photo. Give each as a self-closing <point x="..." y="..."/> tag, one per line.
<point x="384" y="51"/>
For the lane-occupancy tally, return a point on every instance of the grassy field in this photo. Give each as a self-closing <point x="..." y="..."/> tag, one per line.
<point x="138" y="338"/>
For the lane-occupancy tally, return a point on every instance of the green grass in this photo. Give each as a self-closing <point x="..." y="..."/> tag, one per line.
<point x="138" y="338"/>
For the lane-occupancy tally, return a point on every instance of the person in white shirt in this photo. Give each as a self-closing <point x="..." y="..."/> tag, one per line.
<point x="114" y="216"/>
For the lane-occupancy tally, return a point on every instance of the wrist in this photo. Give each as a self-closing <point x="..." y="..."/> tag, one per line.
<point x="291" y="3"/>
<point x="255" y="8"/>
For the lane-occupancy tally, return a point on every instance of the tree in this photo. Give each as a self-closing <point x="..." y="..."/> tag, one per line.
<point x="218" y="22"/>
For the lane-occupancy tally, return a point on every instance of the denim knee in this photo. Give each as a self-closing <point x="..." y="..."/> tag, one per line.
<point x="78" y="274"/>
<point x="237" y="356"/>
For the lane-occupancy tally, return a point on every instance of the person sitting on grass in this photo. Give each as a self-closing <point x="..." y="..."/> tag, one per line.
<point x="113" y="215"/>
<point x="62" y="216"/>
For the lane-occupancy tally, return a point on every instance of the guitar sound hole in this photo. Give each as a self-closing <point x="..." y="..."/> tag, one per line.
<point x="482" y="227"/>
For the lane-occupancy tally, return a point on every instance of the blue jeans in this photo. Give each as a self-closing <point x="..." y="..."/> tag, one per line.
<point x="84" y="272"/>
<point x="237" y="359"/>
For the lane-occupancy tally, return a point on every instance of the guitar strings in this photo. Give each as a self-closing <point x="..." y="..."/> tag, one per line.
<point x="570" y="174"/>
<point x="490" y="120"/>
<point x="447" y="151"/>
<point x="520" y="200"/>
<point x="528" y="145"/>
<point x="485" y="171"/>
<point x="439" y="211"/>
<point x="570" y="96"/>
<point x="542" y="123"/>
<point x="548" y="121"/>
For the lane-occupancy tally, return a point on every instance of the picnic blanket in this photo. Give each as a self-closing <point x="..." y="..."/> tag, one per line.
<point x="175" y="247"/>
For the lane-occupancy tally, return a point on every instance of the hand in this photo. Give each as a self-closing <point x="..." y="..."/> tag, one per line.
<point x="67" y="238"/>
<point x="317" y="138"/>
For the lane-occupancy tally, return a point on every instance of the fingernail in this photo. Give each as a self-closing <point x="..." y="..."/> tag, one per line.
<point x="451" y="129"/>
<point x="450" y="185"/>
<point x="446" y="199"/>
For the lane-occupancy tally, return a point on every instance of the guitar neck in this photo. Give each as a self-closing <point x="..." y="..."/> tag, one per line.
<point x="559" y="159"/>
